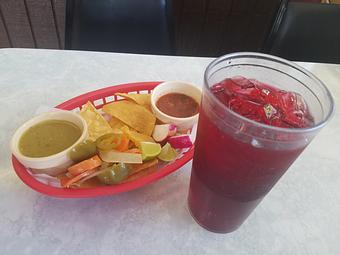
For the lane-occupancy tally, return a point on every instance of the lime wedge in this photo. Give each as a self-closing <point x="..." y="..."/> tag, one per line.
<point x="149" y="150"/>
<point x="167" y="153"/>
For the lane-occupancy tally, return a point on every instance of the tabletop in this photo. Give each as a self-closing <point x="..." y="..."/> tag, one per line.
<point x="301" y="215"/>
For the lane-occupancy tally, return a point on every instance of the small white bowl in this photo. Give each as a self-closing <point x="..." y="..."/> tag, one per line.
<point x="185" y="88"/>
<point x="54" y="164"/>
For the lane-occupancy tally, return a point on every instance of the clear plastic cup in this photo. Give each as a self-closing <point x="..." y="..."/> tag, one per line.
<point x="237" y="160"/>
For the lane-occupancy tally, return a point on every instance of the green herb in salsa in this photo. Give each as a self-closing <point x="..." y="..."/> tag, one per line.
<point x="48" y="138"/>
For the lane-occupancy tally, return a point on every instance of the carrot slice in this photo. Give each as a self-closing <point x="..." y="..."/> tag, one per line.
<point x="67" y="182"/>
<point x="85" y="165"/>
<point x="124" y="143"/>
<point x="63" y="181"/>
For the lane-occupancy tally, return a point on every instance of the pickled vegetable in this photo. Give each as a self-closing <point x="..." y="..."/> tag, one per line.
<point x="124" y="143"/>
<point x="113" y="156"/>
<point x="85" y="165"/>
<point x="109" y="141"/>
<point x="113" y="174"/>
<point x="83" y="150"/>
<point x="68" y="182"/>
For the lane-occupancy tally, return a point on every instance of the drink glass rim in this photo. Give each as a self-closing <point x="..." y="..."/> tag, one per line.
<point x="281" y="61"/>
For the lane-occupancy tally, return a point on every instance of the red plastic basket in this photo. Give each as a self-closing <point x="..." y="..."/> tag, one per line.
<point x="99" y="98"/>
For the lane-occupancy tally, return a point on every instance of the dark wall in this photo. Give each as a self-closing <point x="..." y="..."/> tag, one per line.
<point x="215" y="27"/>
<point x="202" y="27"/>
<point x="32" y="23"/>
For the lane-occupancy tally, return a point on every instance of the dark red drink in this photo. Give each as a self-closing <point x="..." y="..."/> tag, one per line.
<point x="235" y="163"/>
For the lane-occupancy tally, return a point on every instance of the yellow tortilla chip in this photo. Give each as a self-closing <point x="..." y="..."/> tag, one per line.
<point x="133" y="115"/>
<point x="97" y="125"/>
<point x="116" y="123"/>
<point x="136" y="137"/>
<point x="141" y="99"/>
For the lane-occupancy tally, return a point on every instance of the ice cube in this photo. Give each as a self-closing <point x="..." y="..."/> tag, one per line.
<point x="269" y="110"/>
<point x="265" y="91"/>
<point x="219" y="91"/>
<point x="242" y="82"/>
<point x="263" y="103"/>
<point x="300" y="104"/>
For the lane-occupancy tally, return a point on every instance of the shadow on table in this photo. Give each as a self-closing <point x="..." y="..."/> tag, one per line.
<point x="163" y="202"/>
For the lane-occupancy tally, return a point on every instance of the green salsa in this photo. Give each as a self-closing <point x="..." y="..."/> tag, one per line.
<point x="48" y="137"/>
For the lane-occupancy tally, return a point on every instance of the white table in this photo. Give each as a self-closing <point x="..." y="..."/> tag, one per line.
<point x="301" y="215"/>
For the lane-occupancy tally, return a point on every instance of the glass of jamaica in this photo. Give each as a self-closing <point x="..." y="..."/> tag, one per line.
<point x="258" y="113"/>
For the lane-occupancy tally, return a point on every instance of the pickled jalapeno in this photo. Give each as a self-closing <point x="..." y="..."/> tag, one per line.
<point x="83" y="150"/>
<point x="113" y="174"/>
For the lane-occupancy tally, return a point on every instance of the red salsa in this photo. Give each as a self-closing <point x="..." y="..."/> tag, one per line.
<point x="177" y="105"/>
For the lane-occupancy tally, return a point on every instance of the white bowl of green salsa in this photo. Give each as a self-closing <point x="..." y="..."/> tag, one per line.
<point x="43" y="143"/>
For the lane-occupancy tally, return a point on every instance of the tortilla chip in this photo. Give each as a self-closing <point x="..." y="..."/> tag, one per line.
<point x="141" y="99"/>
<point x="116" y="123"/>
<point x="133" y="115"/>
<point x="97" y="125"/>
<point x="136" y="137"/>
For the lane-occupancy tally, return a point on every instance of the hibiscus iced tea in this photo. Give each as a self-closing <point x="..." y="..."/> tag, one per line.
<point x="251" y="129"/>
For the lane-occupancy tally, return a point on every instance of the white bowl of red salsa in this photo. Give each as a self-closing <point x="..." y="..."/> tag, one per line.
<point x="177" y="103"/>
